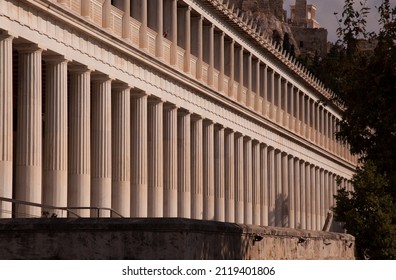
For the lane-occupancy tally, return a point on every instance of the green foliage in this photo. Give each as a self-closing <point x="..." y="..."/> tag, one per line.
<point x="364" y="82"/>
<point x="369" y="214"/>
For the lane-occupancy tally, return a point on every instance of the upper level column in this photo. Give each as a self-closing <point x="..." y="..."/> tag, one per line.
<point x="231" y="69"/>
<point x="29" y="129"/>
<point x="5" y="122"/>
<point x="187" y="38"/>
<point x="221" y="61"/>
<point x="143" y="39"/>
<point x="173" y="58"/>
<point x="79" y="144"/>
<point x="211" y="55"/>
<point x="159" y="48"/>
<point x="101" y="144"/>
<point x="55" y="136"/>
<point x="126" y="19"/>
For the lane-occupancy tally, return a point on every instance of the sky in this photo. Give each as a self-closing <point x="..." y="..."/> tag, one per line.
<point x="325" y="14"/>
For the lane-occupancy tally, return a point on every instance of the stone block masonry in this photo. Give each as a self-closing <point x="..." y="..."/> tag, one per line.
<point x="164" y="238"/>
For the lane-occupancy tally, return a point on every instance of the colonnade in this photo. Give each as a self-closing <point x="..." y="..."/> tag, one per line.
<point x="77" y="137"/>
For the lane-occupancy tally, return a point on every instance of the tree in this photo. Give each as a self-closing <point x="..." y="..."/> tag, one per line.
<point x="364" y="82"/>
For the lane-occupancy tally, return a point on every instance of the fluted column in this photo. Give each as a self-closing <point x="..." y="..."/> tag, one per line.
<point x="308" y="204"/>
<point x="121" y="149"/>
<point x="139" y="180"/>
<point x="315" y="198"/>
<point x="208" y="170"/>
<point x="249" y="85"/>
<point x="232" y="70"/>
<point x="196" y="168"/>
<point x="303" y="195"/>
<point x="271" y="187"/>
<point x="200" y="47"/>
<point x="297" y="193"/>
<point x="264" y="191"/>
<point x="312" y="194"/>
<point x="256" y="184"/>
<point x="29" y="130"/>
<point x="292" y="193"/>
<point x="238" y="173"/>
<point x="184" y="178"/>
<point x="6" y="131"/>
<point x="79" y="144"/>
<point x="319" y="199"/>
<point x="229" y="163"/>
<point x="170" y="160"/>
<point x="247" y="181"/>
<point x="322" y="198"/>
<point x="143" y="39"/>
<point x="211" y="55"/>
<point x="291" y="106"/>
<point x="55" y="136"/>
<point x="221" y="59"/>
<point x="285" y="198"/>
<point x="219" y="173"/>
<point x="278" y="189"/>
<point x="155" y="158"/>
<point x="173" y="51"/>
<point x="101" y="144"/>
<point x="187" y="38"/>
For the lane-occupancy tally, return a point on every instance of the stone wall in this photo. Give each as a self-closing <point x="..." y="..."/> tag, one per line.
<point x="171" y="238"/>
<point x="313" y="40"/>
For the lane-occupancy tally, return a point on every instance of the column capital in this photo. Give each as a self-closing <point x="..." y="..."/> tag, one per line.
<point x="118" y="85"/>
<point x="137" y="93"/>
<point x="28" y="47"/>
<point x="196" y="117"/>
<point x="6" y="35"/>
<point x="78" y="68"/>
<point x="100" y="77"/>
<point x="169" y="106"/>
<point x="55" y="58"/>
<point x="154" y="99"/>
<point x="182" y="111"/>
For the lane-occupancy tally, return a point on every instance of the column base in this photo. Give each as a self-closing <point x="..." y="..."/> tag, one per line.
<point x="28" y="188"/>
<point x="79" y="193"/>
<point x="6" y="188"/>
<point x="121" y="195"/>
<point x="101" y="196"/>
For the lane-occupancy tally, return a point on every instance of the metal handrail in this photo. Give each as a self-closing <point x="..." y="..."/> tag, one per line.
<point x="67" y="209"/>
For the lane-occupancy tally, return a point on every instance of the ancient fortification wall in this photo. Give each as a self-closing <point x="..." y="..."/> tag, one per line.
<point x="55" y="238"/>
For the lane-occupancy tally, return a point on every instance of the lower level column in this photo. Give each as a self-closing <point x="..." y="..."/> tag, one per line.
<point x="55" y="136"/>
<point x="155" y="159"/>
<point x="101" y="145"/>
<point x="196" y="168"/>
<point x="139" y="189"/>
<point x="239" y="190"/>
<point x="256" y="183"/>
<point x="247" y="181"/>
<point x="170" y="160"/>
<point x="79" y="157"/>
<point x="183" y="165"/>
<point x="121" y="149"/>
<point x="229" y="163"/>
<point x="208" y="170"/>
<point x="29" y="131"/>
<point x="264" y="190"/>
<point x="219" y="174"/>
<point x="6" y="130"/>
